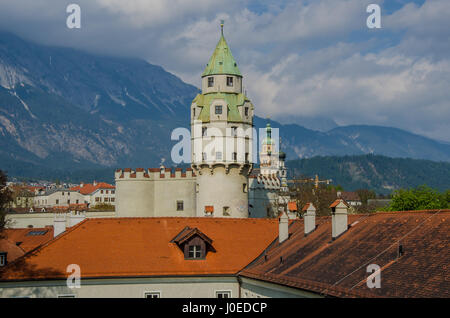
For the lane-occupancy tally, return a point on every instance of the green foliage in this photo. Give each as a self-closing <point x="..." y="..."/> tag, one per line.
<point x="420" y="198"/>
<point x="378" y="173"/>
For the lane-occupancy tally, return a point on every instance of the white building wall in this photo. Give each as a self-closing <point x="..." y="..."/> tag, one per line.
<point x="183" y="287"/>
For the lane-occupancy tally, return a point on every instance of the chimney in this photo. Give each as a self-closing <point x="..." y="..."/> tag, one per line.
<point x="59" y="224"/>
<point x="339" y="211"/>
<point x="309" y="218"/>
<point x="81" y="184"/>
<point x="283" y="227"/>
<point x="95" y="183"/>
<point x="76" y="217"/>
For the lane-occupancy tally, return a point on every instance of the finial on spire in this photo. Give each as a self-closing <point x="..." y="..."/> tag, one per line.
<point x="221" y="25"/>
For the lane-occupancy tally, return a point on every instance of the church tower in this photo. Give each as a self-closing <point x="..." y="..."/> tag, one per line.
<point x="222" y="138"/>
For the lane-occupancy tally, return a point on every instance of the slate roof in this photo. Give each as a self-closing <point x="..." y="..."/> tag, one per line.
<point x="339" y="268"/>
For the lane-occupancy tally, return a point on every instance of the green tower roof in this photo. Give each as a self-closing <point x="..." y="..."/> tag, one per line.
<point x="233" y="101"/>
<point x="222" y="61"/>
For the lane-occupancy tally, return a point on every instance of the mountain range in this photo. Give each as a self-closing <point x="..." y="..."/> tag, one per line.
<point x="65" y="109"/>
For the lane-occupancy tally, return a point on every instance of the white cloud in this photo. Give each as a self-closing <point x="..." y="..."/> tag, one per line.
<point x="299" y="58"/>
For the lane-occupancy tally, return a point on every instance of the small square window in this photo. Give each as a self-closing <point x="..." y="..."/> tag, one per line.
<point x="180" y="205"/>
<point x="57" y="201"/>
<point x="223" y="294"/>
<point x="195" y="251"/>
<point x="210" y="81"/>
<point x="152" y="295"/>
<point x="218" y="109"/>
<point x="229" y="81"/>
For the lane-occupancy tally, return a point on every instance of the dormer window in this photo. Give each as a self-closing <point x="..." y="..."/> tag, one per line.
<point x="218" y="109"/>
<point x="229" y="81"/>
<point x="194" y="244"/>
<point x="210" y="81"/>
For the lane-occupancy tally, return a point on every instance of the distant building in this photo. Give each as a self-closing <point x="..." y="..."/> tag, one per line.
<point x="84" y="194"/>
<point x="352" y="198"/>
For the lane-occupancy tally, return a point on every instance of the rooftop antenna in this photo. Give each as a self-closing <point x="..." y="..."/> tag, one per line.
<point x="221" y="26"/>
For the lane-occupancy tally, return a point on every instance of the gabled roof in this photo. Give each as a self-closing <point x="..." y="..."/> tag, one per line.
<point x="89" y="188"/>
<point x="222" y="61"/>
<point x="339" y="268"/>
<point x="29" y="238"/>
<point x="337" y="201"/>
<point x="141" y="247"/>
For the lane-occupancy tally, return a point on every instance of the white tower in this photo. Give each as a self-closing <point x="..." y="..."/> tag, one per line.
<point x="222" y="138"/>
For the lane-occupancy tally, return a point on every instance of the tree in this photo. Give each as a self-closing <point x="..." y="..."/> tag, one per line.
<point x="420" y="198"/>
<point x="5" y="198"/>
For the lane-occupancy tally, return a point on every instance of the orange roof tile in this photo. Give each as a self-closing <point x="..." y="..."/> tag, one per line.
<point x="131" y="247"/>
<point x="292" y="206"/>
<point x="29" y="241"/>
<point x="89" y="188"/>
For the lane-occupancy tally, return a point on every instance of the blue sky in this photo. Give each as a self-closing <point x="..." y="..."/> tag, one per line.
<point x="301" y="60"/>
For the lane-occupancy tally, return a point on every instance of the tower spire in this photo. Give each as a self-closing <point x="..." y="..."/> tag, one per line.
<point x="221" y="26"/>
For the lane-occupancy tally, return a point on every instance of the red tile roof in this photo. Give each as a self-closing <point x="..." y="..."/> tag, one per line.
<point x="292" y="206"/>
<point x="335" y="203"/>
<point x="131" y="247"/>
<point x="90" y="188"/>
<point x="306" y="207"/>
<point x="338" y="268"/>
<point x="27" y="242"/>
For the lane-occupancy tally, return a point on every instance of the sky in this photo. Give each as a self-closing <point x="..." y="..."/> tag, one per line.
<point x="301" y="59"/>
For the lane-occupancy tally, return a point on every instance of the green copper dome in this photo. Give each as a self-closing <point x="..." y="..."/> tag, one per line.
<point x="222" y="61"/>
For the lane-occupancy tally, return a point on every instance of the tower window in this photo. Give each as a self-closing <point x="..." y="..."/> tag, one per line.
<point x="195" y="251"/>
<point x="246" y="111"/>
<point x="210" y="81"/>
<point x="226" y="211"/>
<point x="204" y="156"/>
<point x="218" y="109"/>
<point x="180" y="205"/>
<point x="193" y="112"/>
<point x="246" y="157"/>
<point x="204" y="131"/>
<point x="234" y="131"/>
<point x="229" y="81"/>
<point x="234" y="156"/>
<point x="244" y="187"/>
<point x="218" y="155"/>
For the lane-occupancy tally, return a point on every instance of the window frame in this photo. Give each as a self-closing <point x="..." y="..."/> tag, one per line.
<point x="230" y="81"/>
<point x="153" y="292"/>
<point x="210" y="81"/>
<point x="200" y="251"/>
<point x="4" y="257"/>
<point x="224" y="292"/>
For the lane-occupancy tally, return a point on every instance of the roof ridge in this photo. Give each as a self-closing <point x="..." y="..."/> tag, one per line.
<point x="54" y="239"/>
